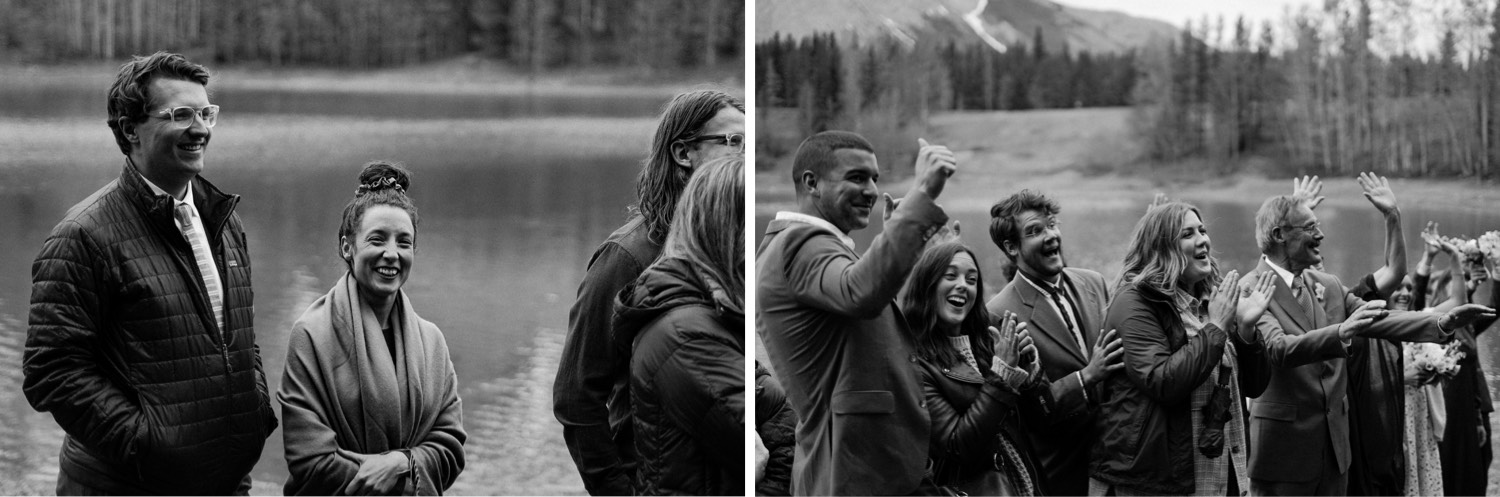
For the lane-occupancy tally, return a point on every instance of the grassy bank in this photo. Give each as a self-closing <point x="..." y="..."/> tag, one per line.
<point x="1089" y="153"/>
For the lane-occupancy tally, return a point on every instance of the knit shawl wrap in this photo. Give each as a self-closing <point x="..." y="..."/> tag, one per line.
<point x="342" y="395"/>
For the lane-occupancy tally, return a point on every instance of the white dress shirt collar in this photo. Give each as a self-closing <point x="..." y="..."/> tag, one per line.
<point x="1286" y="276"/>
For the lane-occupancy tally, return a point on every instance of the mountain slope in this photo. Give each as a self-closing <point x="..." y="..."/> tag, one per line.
<point x="999" y="23"/>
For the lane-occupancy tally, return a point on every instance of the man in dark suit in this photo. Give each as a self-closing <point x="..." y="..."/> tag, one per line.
<point x="1063" y="307"/>
<point x="830" y="324"/>
<point x="1300" y="424"/>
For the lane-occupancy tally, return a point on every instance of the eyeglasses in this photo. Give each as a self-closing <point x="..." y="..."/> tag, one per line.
<point x="182" y="117"/>
<point x="735" y="140"/>
<point x="1313" y="227"/>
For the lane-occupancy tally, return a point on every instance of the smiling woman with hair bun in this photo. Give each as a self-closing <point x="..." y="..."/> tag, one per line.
<point x="369" y="397"/>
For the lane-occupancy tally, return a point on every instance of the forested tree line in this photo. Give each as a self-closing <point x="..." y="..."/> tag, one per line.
<point x="973" y="76"/>
<point x="1330" y="103"/>
<point x="655" y="34"/>
<point x="885" y="88"/>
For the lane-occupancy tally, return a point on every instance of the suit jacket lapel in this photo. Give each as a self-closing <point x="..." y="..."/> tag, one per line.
<point x="1044" y="319"/>
<point x="1086" y="298"/>
<point x="1282" y="297"/>
<point x="1319" y="313"/>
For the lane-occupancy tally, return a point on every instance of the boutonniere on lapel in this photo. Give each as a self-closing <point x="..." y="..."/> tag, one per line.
<point x="1318" y="291"/>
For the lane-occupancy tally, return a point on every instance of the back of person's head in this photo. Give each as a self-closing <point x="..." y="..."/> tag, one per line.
<point x="817" y="153"/>
<point x="1153" y="257"/>
<point x="921" y="309"/>
<point x="708" y="228"/>
<point x="1005" y="217"/>
<point x="380" y="183"/>
<point x="130" y="94"/>
<point x="1272" y="215"/>
<point x="661" y="179"/>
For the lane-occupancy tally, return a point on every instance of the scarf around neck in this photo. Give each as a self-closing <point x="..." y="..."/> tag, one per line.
<point x="340" y="377"/>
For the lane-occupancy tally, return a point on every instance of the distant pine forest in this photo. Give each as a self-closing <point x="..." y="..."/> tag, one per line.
<point x="1322" y="101"/>
<point x="656" y="35"/>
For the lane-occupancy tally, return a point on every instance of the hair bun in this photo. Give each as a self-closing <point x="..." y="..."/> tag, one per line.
<point x="382" y="175"/>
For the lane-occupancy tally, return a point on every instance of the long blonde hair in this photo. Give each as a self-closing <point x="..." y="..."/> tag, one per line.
<point x="1153" y="260"/>
<point x="708" y="225"/>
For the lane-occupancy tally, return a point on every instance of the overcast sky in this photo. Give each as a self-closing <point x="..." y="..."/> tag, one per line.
<point x="1178" y="11"/>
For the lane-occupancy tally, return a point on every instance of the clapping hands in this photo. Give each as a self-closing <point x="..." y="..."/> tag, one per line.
<point x="1013" y="346"/>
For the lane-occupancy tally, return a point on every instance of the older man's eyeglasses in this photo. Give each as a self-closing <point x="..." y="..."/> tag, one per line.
<point x="735" y="140"/>
<point x="182" y="117"/>
<point x="1313" y="227"/>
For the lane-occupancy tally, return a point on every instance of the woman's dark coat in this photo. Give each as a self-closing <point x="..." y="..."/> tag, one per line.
<point x="687" y="382"/>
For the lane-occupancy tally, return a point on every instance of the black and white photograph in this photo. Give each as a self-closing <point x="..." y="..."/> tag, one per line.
<point x="1120" y="247"/>
<point x="471" y="247"/>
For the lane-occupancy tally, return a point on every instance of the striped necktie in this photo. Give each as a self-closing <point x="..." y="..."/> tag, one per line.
<point x="1068" y="312"/>
<point x="184" y="214"/>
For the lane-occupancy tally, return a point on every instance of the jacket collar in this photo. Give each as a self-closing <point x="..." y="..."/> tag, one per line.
<point x="1282" y="297"/>
<point x="214" y="206"/>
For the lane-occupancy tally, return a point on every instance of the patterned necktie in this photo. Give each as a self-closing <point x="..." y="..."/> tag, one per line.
<point x="1068" y="319"/>
<point x="184" y="215"/>
<point x="1299" y="289"/>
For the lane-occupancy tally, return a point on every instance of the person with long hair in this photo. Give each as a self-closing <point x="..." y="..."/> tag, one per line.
<point x="369" y="395"/>
<point x="682" y="321"/>
<point x="1172" y="424"/>
<point x="589" y="395"/>
<point x="972" y="374"/>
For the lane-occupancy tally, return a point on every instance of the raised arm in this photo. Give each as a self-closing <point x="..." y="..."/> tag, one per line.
<point x="825" y="276"/>
<point x="60" y="366"/>
<point x="1378" y="191"/>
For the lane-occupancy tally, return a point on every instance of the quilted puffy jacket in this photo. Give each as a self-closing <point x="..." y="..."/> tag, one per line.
<point x="123" y="349"/>
<point x="776" y="423"/>
<point x="687" y="382"/>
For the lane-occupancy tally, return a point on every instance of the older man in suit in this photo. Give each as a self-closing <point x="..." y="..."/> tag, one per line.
<point x="1300" y="424"/>
<point x="830" y="325"/>
<point x="1063" y="307"/>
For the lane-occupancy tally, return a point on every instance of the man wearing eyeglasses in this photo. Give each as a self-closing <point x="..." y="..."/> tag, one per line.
<point x="1299" y="425"/>
<point x="140" y="341"/>
<point x="589" y="395"/>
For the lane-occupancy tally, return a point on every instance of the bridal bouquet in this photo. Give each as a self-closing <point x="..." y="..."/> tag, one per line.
<point x="1489" y="245"/>
<point x="1435" y="357"/>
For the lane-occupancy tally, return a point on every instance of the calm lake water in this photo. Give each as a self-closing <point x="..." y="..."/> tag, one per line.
<point x="514" y="195"/>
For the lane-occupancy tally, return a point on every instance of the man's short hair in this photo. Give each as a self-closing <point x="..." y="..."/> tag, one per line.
<point x="1005" y="222"/>
<point x="131" y="91"/>
<point x="1272" y="215"/>
<point x="816" y="153"/>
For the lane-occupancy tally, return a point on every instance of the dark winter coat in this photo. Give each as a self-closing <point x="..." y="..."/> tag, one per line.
<point x="124" y="351"/>
<point x="687" y="382"/>
<point x="776" y="423"/>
